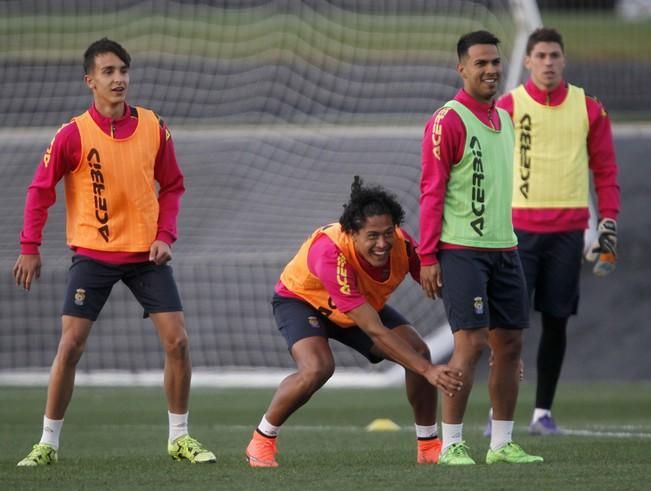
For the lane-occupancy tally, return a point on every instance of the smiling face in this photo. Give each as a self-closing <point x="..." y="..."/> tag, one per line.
<point x="546" y="63"/>
<point x="375" y="239"/>
<point x="109" y="82"/>
<point x="481" y="71"/>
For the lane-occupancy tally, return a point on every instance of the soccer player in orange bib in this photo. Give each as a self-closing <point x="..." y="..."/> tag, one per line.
<point x="561" y="136"/>
<point x="336" y="287"/>
<point x="120" y="228"/>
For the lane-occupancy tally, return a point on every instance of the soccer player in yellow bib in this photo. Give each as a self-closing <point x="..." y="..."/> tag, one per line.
<point x="112" y="158"/>
<point x="336" y="287"/>
<point x="562" y="136"/>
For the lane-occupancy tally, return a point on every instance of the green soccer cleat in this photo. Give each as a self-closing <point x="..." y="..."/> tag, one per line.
<point x="456" y="454"/>
<point x="41" y="454"/>
<point x="511" y="453"/>
<point x="186" y="447"/>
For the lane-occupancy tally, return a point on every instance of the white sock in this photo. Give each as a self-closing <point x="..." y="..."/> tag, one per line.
<point x="539" y="413"/>
<point x="451" y="434"/>
<point x="266" y="428"/>
<point x="51" y="432"/>
<point x="426" y="431"/>
<point x="178" y="425"/>
<point x="501" y="433"/>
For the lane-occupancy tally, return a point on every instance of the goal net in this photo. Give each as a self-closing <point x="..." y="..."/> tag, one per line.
<point x="273" y="107"/>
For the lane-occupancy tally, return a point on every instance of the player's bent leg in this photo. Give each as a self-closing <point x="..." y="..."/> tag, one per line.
<point x="423" y="398"/>
<point x="74" y="333"/>
<point x="178" y="369"/>
<point x="315" y="365"/>
<point x="178" y="373"/>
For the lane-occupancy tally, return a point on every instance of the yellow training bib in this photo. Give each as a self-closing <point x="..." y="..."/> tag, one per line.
<point x="550" y="158"/>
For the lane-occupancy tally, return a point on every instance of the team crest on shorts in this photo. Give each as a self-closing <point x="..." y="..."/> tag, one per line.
<point x="80" y="296"/>
<point x="478" y="305"/>
<point x="313" y="321"/>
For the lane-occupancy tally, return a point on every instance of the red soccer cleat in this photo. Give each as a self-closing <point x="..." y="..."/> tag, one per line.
<point x="262" y="451"/>
<point x="429" y="451"/>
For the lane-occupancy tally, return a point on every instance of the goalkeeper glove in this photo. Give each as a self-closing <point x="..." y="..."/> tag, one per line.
<point x="604" y="249"/>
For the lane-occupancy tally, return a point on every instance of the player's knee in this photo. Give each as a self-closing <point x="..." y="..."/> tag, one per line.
<point x="313" y="377"/>
<point x="509" y="347"/>
<point x="422" y="349"/>
<point x="477" y="344"/>
<point x="70" y="350"/>
<point x="468" y="349"/>
<point x="177" y="345"/>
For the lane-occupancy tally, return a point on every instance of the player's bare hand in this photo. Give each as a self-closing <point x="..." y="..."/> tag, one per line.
<point x="431" y="280"/>
<point x="27" y="269"/>
<point x="160" y="252"/>
<point x="447" y="379"/>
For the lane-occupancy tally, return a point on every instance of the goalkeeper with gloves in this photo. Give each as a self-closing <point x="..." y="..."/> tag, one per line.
<point x="562" y="135"/>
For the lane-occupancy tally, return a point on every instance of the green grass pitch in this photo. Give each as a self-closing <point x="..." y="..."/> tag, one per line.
<point x="114" y="439"/>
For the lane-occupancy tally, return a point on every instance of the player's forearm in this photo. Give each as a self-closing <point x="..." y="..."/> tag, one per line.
<point x="607" y="191"/>
<point x="35" y="215"/>
<point x="169" y="205"/>
<point x="431" y="215"/>
<point x="168" y="212"/>
<point x="430" y="229"/>
<point x="399" y="351"/>
<point x="387" y="341"/>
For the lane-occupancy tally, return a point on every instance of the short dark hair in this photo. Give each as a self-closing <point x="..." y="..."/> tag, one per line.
<point x="544" y="35"/>
<point x="100" y="47"/>
<point x="472" y="38"/>
<point x="368" y="202"/>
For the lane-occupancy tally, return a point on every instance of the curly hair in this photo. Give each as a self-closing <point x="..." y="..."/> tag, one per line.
<point x="368" y="202"/>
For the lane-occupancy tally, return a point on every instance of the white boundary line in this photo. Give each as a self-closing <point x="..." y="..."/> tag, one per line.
<point x="602" y="431"/>
<point x="620" y="432"/>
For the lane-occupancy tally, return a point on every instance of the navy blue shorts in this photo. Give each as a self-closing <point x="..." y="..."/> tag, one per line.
<point x="552" y="267"/>
<point x="484" y="289"/>
<point x="297" y="319"/>
<point x="90" y="283"/>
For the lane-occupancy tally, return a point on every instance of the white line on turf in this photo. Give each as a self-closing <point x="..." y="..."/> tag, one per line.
<point x="625" y="431"/>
